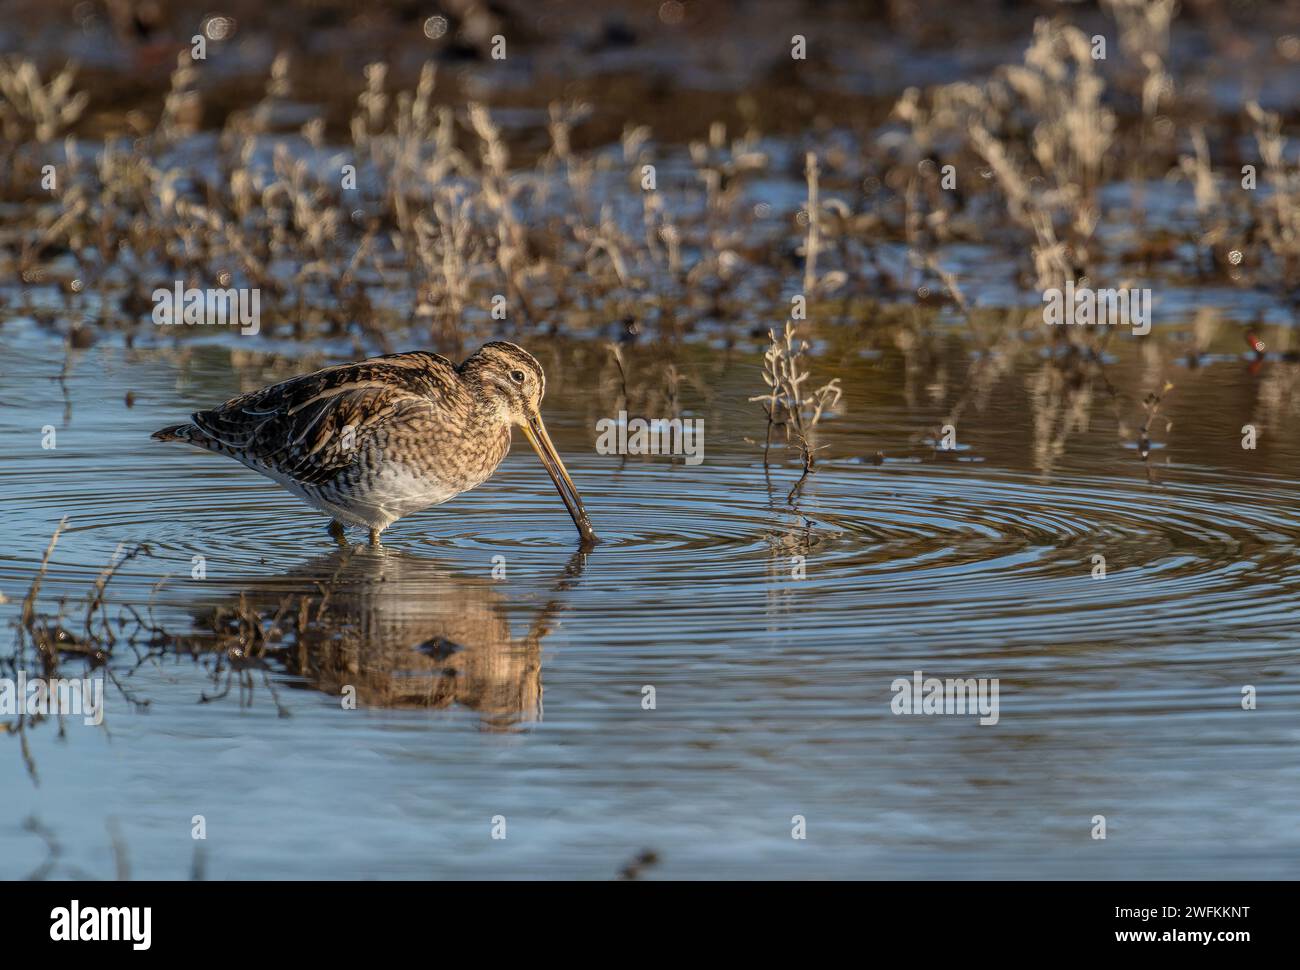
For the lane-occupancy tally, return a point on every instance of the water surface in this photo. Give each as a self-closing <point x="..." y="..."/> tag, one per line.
<point x="522" y="696"/>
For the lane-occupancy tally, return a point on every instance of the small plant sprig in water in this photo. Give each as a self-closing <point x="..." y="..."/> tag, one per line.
<point x="787" y="405"/>
<point x="1151" y="404"/>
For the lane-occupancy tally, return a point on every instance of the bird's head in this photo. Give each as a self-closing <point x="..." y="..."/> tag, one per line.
<point x="509" y="379"/>
<point x="512" y="383"/>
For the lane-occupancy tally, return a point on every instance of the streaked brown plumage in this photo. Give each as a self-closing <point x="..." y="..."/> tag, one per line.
<point x="370" y="442"/>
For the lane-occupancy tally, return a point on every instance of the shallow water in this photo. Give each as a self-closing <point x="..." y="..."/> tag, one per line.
<point x="522" y="697"/>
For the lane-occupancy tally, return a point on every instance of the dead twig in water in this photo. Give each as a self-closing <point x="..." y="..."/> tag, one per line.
<point x="807" y="455"/>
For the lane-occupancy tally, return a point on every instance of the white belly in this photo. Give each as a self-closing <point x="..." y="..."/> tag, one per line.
<point x="393" y="492"/>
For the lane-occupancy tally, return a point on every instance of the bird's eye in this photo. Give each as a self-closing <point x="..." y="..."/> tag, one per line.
<point x="517" y="376"/>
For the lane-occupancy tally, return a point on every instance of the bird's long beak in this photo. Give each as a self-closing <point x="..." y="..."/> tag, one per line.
<point x="541" y="442"/>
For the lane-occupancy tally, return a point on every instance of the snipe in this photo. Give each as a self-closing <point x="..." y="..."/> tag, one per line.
<point x="370" y="442"/>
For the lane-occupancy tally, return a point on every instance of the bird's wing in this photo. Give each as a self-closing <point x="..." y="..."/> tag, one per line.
<point x="310" y="427"/>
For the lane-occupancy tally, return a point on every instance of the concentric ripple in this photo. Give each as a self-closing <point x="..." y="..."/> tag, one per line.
<point x="954" y="553"/>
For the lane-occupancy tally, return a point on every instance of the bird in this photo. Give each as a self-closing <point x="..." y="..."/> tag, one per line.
<point x="370" y="442"/>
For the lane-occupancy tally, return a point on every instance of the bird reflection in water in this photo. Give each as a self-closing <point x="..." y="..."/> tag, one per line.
<point x="392" y="630"/>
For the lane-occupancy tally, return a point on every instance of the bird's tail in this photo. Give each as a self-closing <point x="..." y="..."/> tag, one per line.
<point x="180" y="432"/>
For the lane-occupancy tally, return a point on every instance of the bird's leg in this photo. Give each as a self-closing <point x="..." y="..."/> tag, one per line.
<point x="336" y="531"/>
<point x="374" y="537"/>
